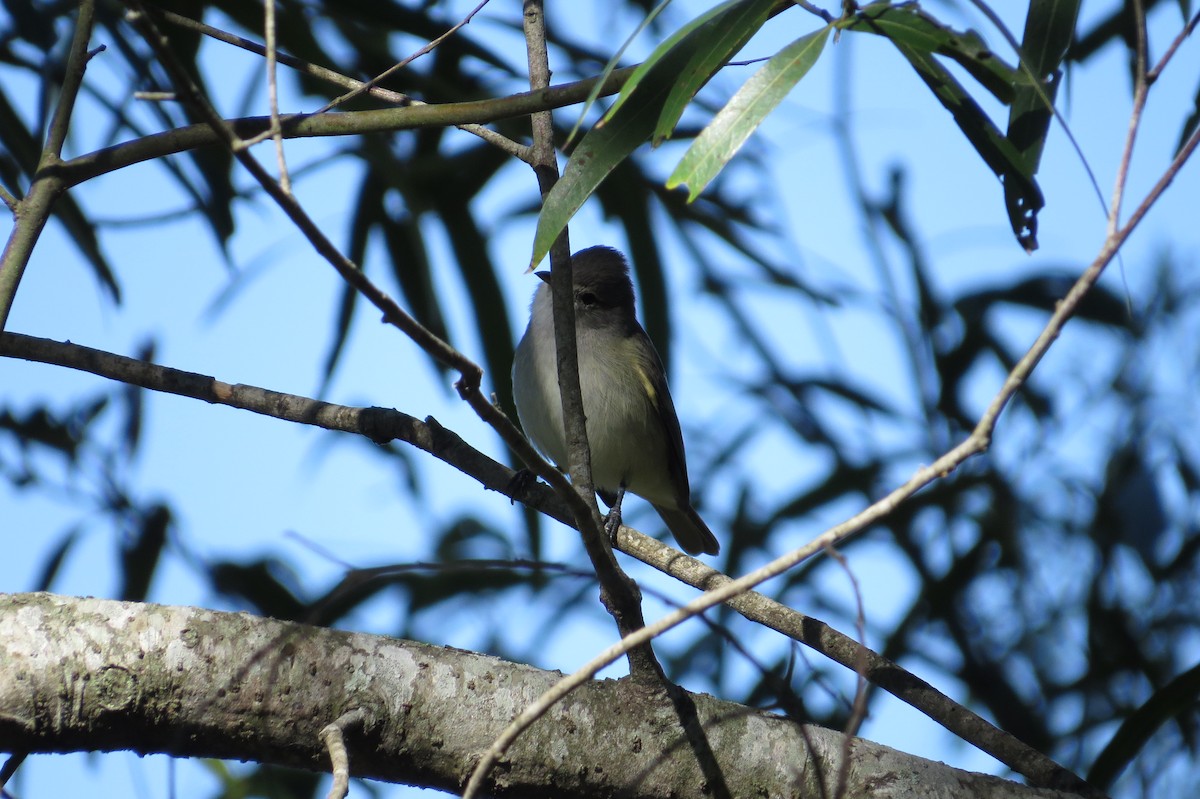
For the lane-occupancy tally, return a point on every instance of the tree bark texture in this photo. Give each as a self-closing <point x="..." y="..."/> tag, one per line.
<point x="81" y="674"/>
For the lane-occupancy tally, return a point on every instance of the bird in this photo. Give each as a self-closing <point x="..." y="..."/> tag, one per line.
<point x="632" y="428"/>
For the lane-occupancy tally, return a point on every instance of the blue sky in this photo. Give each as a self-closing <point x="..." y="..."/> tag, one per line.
<point x="248" y="485"/>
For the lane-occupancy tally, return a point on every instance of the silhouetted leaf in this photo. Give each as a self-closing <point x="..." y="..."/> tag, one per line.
<point x="1022" y="194"/>
<point x="139" y="556"/>
<point x="1049" y="26"/>
<point x="1172" y="700"/>
<point x="54" y="562"/>
<point x="907" y="23"/>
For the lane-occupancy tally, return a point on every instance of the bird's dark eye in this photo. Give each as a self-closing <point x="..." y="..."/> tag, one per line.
<point x="587" y="298"/>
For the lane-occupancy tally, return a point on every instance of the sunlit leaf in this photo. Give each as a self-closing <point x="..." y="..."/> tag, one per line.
<point x="594" y="94"/>
<point x="650" y="104"/>
<point x="744" y="112"/>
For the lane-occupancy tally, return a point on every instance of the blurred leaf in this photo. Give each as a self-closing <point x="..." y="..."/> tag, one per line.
<point x="134" y="399"/>
<point x="479" y="278"/>
<point x="744" y="112"/>
<point x="1130" y="507"/>
<point x="139" y="557"/>
<point x="31" y="23"/>
<point x="462" y="540"/>
<point x="1191" y="122"/>
<point x="58" y="556"/>
<point x="368" y="212"/>
<point x="1173" y="700"/>
<point x="647" y="105"/>
<point x="1044" y="291"/>
<point x="1115" y="25"/>
<point x="62" y="434"/>
<point x="908" y="24"/>
<point x="257" y="584"/>
<point x="25" y="150"/>
<point x="1049" y="27"/>
<point x="408" y="257"/>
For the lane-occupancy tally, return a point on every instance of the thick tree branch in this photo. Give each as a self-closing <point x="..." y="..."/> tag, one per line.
<point x="101" y="675"/>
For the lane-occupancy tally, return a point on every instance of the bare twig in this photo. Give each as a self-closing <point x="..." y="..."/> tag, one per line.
<point x="619" y="593"/>
<point x="145" y="148"/>
<point x="9" y="200"/>
<point x="399" y="65"/>
<point x="1183" y="34"/>
<point x="285" y="180"/>
<point x="498" y="140"/>
<point x="858" y="709"/>
<point x="332" y="735"/>
<point x="34" y="210"/>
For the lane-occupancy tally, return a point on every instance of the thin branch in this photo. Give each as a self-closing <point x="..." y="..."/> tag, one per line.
<point x="470" y="374"/>
<point x="333" y="736"/>
<point x="285" y="180"/>
<point x="146" y="148"/>
<point x="858" y="710"/>
<point x="9" y="200"/>
<point x="619" y="593"/>
<point x="394" y="68"/>
<point x="1183" y="34"/>
<point x="380" y="425"/>
<point x="34" y="211"/>
<point x="977" y="442"/>
<point x="498" y="140"/>
<point x="1141" y="89"/>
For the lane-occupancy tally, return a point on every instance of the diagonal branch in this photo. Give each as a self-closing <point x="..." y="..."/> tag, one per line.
<point x="470" y="374"/>
<point x="33" y="211"/>
<point x="383" y="424"/>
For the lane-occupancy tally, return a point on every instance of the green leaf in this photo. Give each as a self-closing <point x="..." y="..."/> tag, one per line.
<point x="744" y="112"/>
<point x="651" y="98"/>
<point x="594" y="94"/>
<point x="671" y="47"/>
<point x="712" y="46"/>
<point x="1022" y="195"/>
<point x="919" y="31"/>
<point x="1048" y="31"/>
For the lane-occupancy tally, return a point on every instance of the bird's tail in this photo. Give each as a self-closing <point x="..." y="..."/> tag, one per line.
<point x="689" y="530"/>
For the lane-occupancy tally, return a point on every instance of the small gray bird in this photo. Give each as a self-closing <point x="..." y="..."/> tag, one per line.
<point x="631" y="423"/>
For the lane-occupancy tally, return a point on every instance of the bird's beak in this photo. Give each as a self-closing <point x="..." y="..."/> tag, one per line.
<point x="543" y="276"/>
